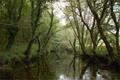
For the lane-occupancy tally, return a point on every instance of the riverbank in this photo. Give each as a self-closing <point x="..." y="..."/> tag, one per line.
<point x="102" y="61"/>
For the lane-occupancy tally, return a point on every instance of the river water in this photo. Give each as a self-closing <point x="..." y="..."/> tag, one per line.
<point x="100" y="75"/>
<point x="88" y="75"/>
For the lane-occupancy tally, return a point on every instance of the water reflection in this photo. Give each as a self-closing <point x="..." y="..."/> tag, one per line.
<point x="100" y="75"/>
<point x="63" y="77"/>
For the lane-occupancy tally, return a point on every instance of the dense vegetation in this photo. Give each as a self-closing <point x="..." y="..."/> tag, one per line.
<point x="33" y="42"/>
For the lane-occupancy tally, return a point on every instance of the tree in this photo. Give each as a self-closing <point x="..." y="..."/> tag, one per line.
<point x="12" y="12"/>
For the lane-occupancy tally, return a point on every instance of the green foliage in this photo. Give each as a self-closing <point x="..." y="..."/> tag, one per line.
<point x="32" y="34"/>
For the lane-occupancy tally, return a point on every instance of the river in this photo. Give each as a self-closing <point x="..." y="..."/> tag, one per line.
<point x="100" y="75"/>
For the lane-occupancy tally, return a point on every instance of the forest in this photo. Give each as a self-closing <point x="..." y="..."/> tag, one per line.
<point x="59" y="39"/>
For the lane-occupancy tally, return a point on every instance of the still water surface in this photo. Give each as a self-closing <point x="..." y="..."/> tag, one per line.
<point x="100" y="75"/>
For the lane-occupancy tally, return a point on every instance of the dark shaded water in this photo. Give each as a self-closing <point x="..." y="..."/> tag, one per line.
<point x="100" y="75"/>
<point x="94" y="71"/>
<point x="61" y="67"/>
